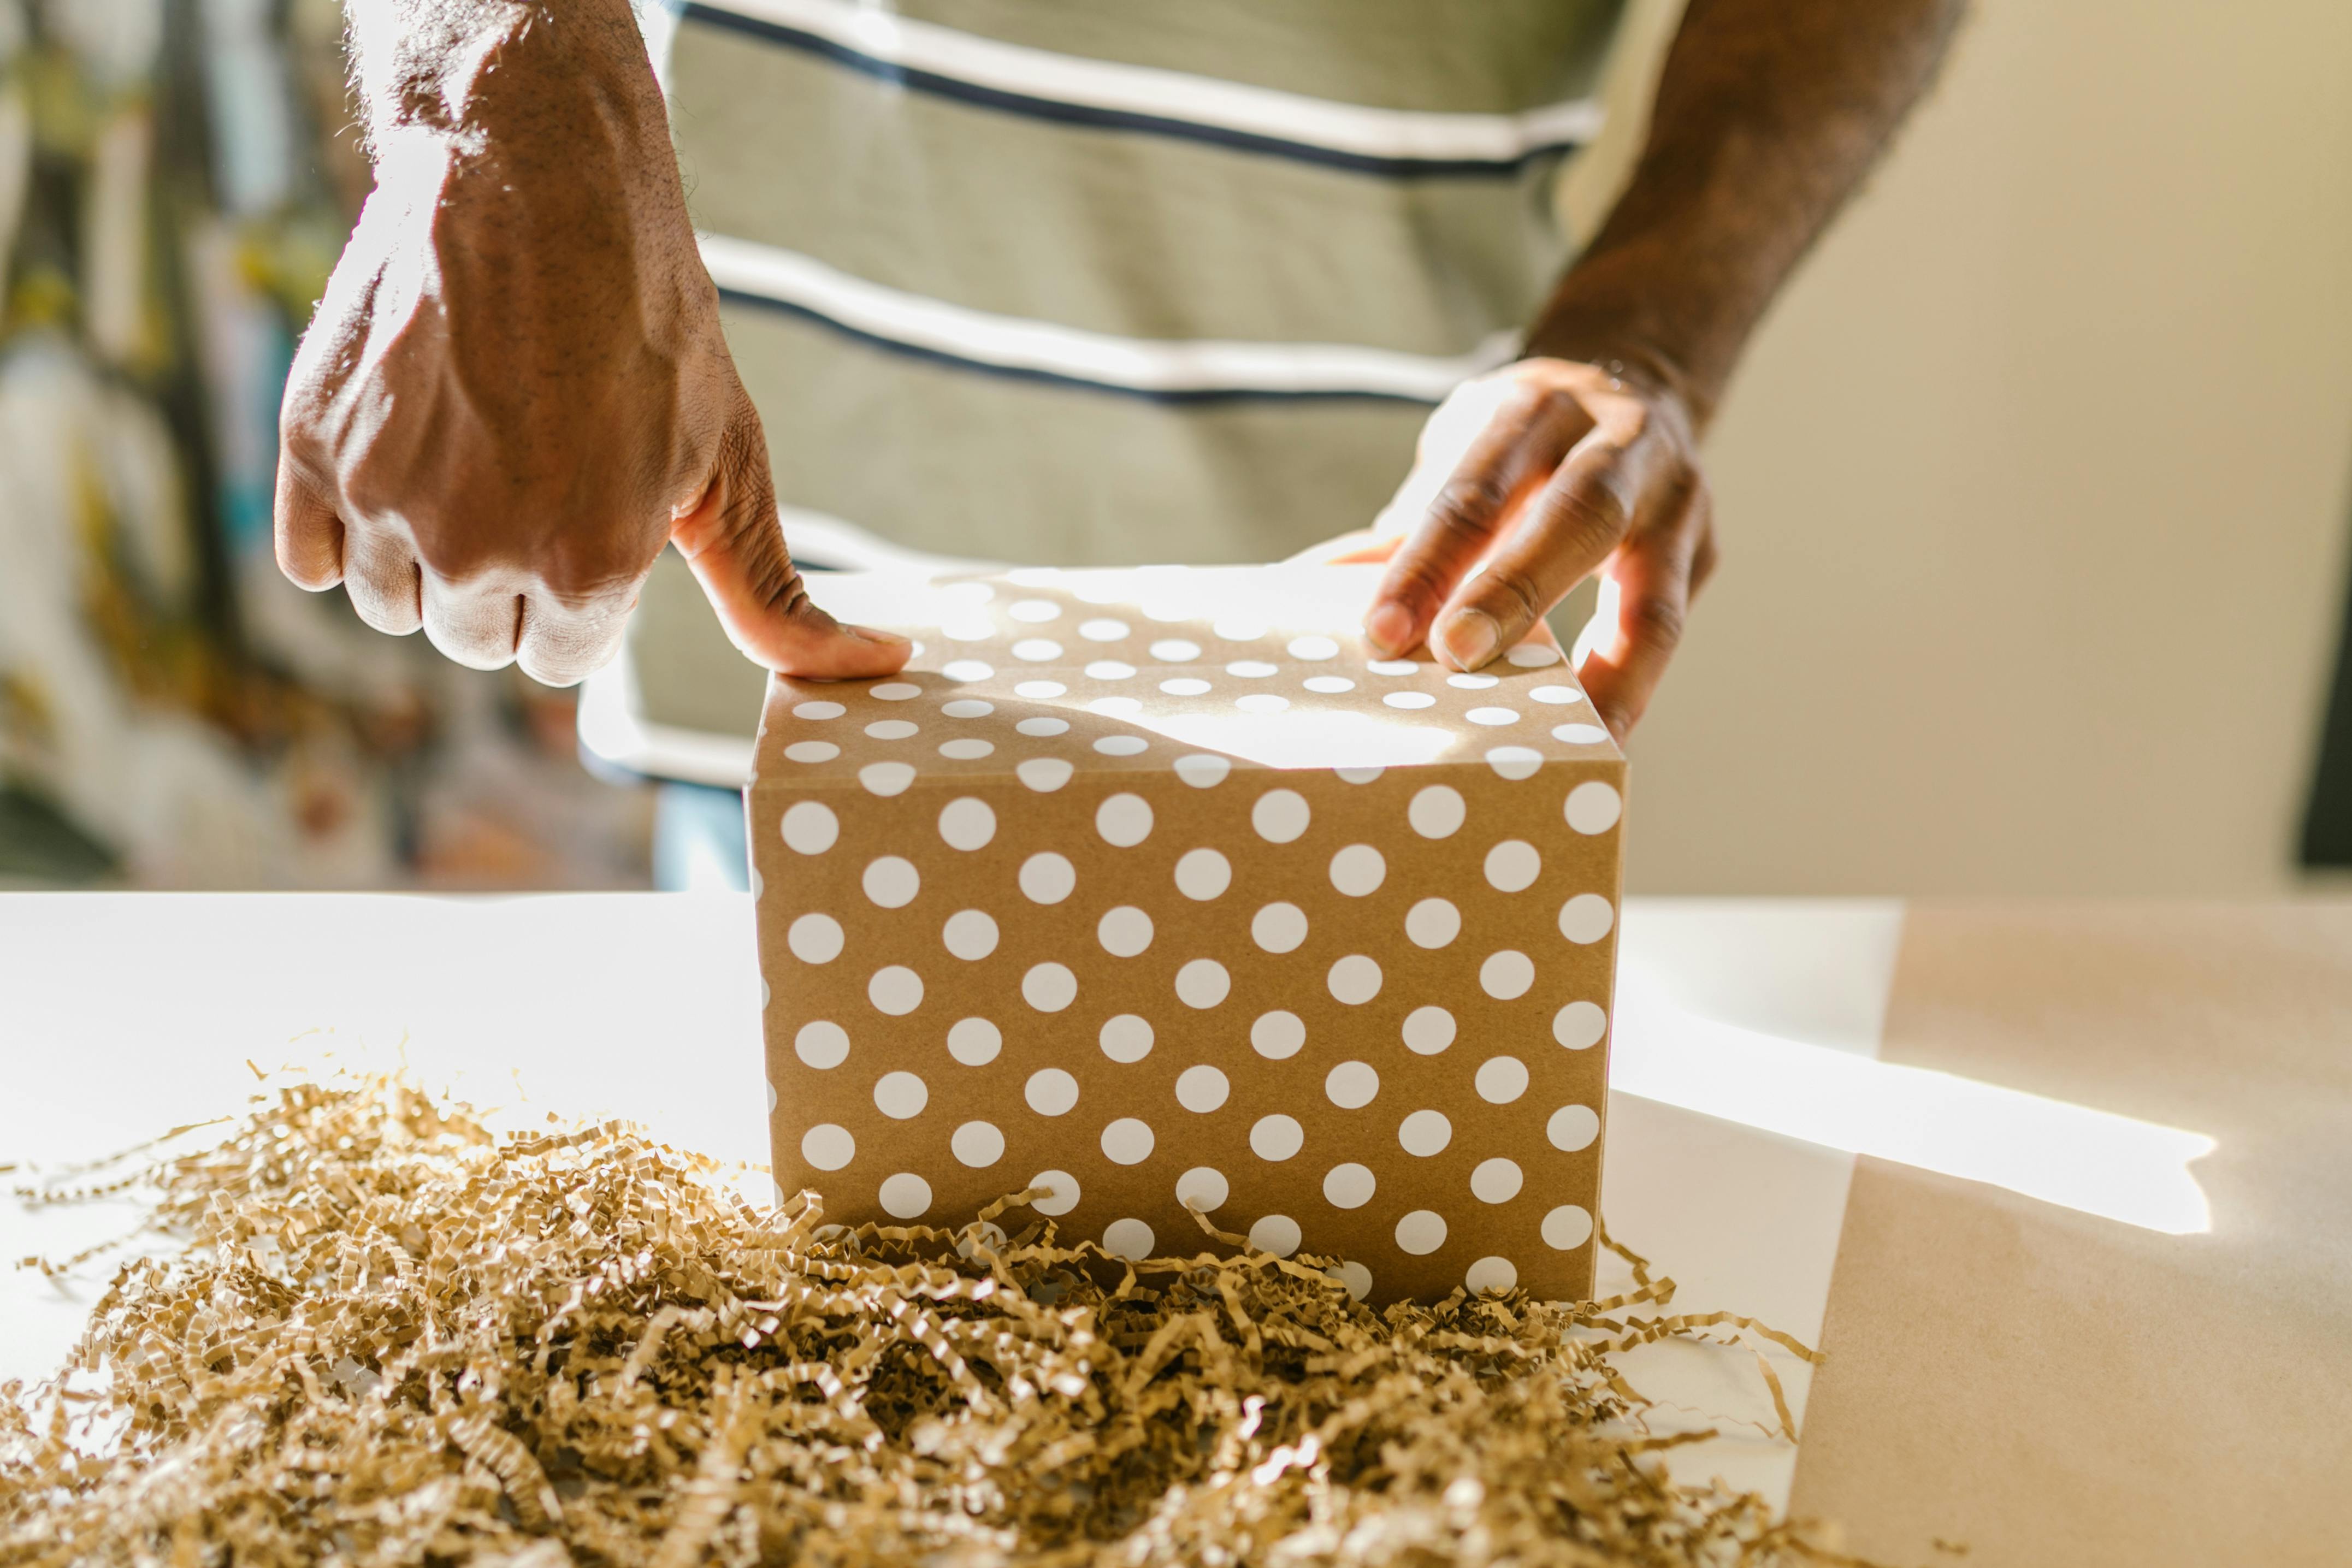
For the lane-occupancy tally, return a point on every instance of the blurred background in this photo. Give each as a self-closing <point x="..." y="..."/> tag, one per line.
<point x="2033" y="492"/>
<point x="176" y="179"/>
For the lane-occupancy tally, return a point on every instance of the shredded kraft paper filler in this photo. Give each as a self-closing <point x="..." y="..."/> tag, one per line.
<point x="1196" y="1026"/>
<point x="390" y="1337"/>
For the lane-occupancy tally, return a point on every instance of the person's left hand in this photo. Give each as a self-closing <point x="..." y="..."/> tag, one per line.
<point x="1529" y="480"/>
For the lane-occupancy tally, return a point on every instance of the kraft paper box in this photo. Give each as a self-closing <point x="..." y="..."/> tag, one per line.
<point x="1156" y="887"/>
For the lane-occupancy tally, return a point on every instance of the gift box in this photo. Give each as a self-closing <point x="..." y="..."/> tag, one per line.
<point x="1161" y="889"/>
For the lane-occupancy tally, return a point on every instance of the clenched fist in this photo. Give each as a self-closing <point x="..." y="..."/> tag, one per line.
<point x="515" y="391"/>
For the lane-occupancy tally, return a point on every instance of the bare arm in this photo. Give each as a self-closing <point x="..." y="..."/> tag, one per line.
<point x="1583" y="457"/>
<point x="515" y="390"/>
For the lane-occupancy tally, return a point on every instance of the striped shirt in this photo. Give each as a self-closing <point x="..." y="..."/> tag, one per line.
<point x="1104" y="281"/>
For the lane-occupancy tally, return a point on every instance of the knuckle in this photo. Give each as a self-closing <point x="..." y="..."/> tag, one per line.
<point x="1591" y="512"/>
<point x="390" y="620"/>
<point x="1417" y="580"/>
<point x="1465" y="505"/>
<point x="1655" y="621"/>
<point x="557" y="648"/>
<point x="1512" y="596"/>
<point x="474" y="651"/>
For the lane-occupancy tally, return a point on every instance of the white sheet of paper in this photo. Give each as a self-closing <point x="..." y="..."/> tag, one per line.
<point x="121" y="1015"/>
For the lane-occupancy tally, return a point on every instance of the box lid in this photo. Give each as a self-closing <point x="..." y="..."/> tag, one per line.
<point x="1258" y="666"/>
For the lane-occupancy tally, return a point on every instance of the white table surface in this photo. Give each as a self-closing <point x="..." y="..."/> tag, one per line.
<point x="122" y="1014"/>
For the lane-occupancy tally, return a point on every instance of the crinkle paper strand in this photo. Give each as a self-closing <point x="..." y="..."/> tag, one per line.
<point x="396" y="1338"/>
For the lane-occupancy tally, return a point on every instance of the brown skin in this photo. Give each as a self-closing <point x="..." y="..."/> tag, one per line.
<point x="1767" y="115"/>
<point x="515" y="391"/>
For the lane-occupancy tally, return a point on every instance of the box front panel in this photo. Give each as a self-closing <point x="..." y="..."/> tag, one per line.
<point x="1363" y="1019"/>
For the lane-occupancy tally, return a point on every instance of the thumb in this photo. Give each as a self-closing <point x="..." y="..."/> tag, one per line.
<point x="734" y="541"/>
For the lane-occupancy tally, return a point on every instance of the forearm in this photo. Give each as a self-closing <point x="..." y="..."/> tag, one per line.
<point x="529" y="138"/>
<point x="543" y="110"/>
<point x="466" y="70"/>
<point x="1767" y="115"/>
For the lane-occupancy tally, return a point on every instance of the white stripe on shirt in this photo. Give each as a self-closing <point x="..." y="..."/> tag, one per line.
<point x="1147" y="91"/>
<point x="1044" y="348"/>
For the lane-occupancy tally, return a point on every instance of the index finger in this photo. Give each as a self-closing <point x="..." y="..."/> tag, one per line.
<point x="1508" y="459"/>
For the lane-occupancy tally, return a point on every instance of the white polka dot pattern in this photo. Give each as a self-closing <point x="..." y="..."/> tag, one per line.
<point x="1202" y="983"/>
<point x="1124" y="932"/>
<point x="966" y="823"/>
<point x="1497" y="1180"/>
<point x="1580" y="1025"/>
<point x="1566" y="1226"/>
<point x="887" y="778"/>
<point x="1047" y="878"/>
<point x="1428" y="1030"/>
<point x="1593" y="807"/>
<point x="1064" y="1189"/>
<point x="1505" y="975"/>
<point x="892" y="882"/>
<point x="814" y="938"/>
<point x="811" y="828"/>
<point x="1127" y="1141"/>
<point x="1124" y="819"/>
<point x="1433" y="923"/>
<point x="1126" y="1037"/>
<point x="979" y="1144"/>
<point x="1586" y="918"/>
<point x="1422" y="1231"/>
<point x="1573" y="1127"/>
<point x="1050" y="1091"/>
<point x="821" y="1044"/>
<point x="1501" y="1080"/>
<point x="1203" y="1188"/>
<point x="1350" y="1185"/>
<point x="1129" y="1238"/>
<point x="1436" y="813"/>
<point x="974" y="1041"/>
<point x="1276" y="1137"/>
<point x="1352" y="1085"/>
<point x="828" y="1146"/>
<point x="1275" y="1233"/>
<point x="1355" y="980"/>
<point x="1513" y="865"/>
<point x="1425" y="1132"/>
<point x="1203" y="875"/>
<point x="1280" y="816"/>
<point x="1045" y="774"/>
<point x="900" y="1096"/>
<point x="969" y="935"/>
<point x="1490" y="1273"/>
<point x="905" y="1195"/>
<point x="895" y="990"/>
<point x="1279" y="928"/>
<point x="1049" y="988"/>
<point x="1176" y="904"/>
<point x="1202" y="1089"/>
<point x="1359" y="870"/>
<point x="1278" y="1035"/>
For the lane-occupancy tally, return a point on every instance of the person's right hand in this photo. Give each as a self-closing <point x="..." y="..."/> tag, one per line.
<point x="515" y="390"/>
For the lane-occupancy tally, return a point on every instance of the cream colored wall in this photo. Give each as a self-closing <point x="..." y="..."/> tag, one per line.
<point x="2033" y="491"/>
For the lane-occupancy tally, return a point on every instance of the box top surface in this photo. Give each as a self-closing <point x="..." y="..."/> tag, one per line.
<point x="1131" y="670"/>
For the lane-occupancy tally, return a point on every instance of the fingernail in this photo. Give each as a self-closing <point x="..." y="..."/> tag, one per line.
<point x="875" y="634"/>
<point x="1390" y="626"/>
<point x="1470" y="638"/>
